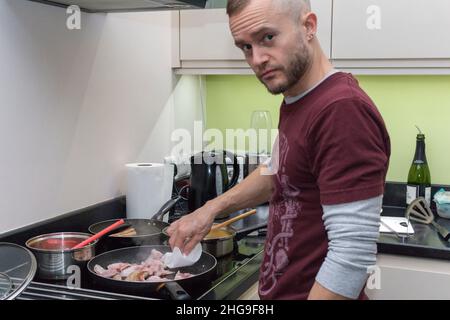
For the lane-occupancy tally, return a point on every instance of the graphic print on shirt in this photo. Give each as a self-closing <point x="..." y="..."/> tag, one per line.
<point x="283" y="213"/>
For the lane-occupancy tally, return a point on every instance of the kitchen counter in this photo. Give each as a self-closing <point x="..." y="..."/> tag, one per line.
<point x="425" y="242"/>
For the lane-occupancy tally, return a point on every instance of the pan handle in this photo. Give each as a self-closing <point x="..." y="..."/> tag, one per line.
<point x="166" y="208"/>
<point x="175" y="291"/>
<point x="442" y="231"/>
<point x="240" y="234"/>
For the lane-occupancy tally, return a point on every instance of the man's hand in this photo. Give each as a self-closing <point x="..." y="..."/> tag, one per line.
<point x="186" y="232"/>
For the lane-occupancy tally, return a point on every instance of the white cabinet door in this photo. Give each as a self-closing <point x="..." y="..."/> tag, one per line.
<point x="410" y="278"/>
<point x="205" y="34"/>
<point x="391" y="29"/>
<point x="323" y="9"/>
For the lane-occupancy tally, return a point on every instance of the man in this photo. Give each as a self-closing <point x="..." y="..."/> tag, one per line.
<point x="332" y="157"/>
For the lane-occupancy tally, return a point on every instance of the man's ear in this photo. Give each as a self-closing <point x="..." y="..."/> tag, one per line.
<point x="310" y="24"/>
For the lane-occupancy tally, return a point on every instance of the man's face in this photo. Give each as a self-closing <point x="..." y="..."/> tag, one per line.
<point x="273" y="44"/>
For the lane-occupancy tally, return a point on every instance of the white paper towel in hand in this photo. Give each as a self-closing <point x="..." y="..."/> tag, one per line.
<point x="149" y="186"/>
<point x="176" y="259"/>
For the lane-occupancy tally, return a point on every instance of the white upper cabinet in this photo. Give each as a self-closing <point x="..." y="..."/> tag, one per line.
<point x="205" y="35"/>
<point x="391" y="29"/>
<point x="323" y="9"/>
<point x="206" y="41"/>
<point x="360" y="36"/>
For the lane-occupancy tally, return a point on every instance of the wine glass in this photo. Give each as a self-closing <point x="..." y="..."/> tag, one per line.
<point x="261" y="122"/>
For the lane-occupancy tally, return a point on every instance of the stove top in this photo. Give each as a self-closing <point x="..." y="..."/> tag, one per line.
<point x="47" y="291"/>
<point x="242" y="272"/>
<point x="234" y="274"/>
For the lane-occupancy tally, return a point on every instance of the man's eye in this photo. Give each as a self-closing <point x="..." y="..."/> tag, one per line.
<point x="246" y="47"/>
<point x="269" y="37"/>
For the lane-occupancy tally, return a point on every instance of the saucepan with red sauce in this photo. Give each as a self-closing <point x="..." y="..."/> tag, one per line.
<point x="55" y="256"/>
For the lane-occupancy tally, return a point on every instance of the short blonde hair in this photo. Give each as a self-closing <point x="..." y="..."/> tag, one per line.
<point x="295" y="7"/>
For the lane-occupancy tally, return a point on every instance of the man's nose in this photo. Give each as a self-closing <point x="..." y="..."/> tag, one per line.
<point x="260" y="57"/>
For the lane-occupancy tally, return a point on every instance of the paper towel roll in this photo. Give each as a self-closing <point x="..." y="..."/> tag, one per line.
<point x="149" y="186"/>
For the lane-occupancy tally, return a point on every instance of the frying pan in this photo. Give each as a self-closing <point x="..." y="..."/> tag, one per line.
<point x="148" y="231"/>
<point x="202" y="271"/>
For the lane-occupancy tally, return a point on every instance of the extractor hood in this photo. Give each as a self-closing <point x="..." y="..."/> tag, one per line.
<point x="128" y="5"/>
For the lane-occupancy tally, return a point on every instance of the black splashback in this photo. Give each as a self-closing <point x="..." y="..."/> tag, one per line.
<point x="395" y="194"/>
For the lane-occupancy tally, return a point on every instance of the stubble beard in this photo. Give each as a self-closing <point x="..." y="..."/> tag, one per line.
<point x="295" y="69"/>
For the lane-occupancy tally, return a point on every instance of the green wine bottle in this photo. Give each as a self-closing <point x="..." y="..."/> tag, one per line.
<point x="419" y="178"/>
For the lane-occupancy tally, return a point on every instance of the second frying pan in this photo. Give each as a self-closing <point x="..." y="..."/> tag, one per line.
<point x="148" y="231"/>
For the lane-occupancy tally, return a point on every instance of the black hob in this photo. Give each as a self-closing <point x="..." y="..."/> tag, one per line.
<point x="234" y="274"/>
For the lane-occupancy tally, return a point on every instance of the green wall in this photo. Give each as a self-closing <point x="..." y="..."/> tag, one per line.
<point x="404" y="101"/>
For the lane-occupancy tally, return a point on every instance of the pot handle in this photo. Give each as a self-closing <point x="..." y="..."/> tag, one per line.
<point x="240" y="234"/>
<point x="166" y="208"/>
<point x="236" y="169"/>
<point x="175" y="291"/>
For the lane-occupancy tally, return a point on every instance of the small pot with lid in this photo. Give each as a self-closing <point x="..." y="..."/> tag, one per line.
<point x="54" y="254"/>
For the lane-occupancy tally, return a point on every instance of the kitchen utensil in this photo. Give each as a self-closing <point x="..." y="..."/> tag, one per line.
<point x="209" y="177"/>
<point x="232" y="220"/>
<point x="127" y="231"/>
<point x="201" y="270"/>
<point x="219" y="242"/>
<point x="96" y="236"/>
<point x="419" y="211"/>
<point x="17" y="268"/>
<point x="147" y="231"/>
<point x="55" y="255"/>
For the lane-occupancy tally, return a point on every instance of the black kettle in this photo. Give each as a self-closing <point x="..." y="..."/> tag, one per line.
<point x="209" y="176"/>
